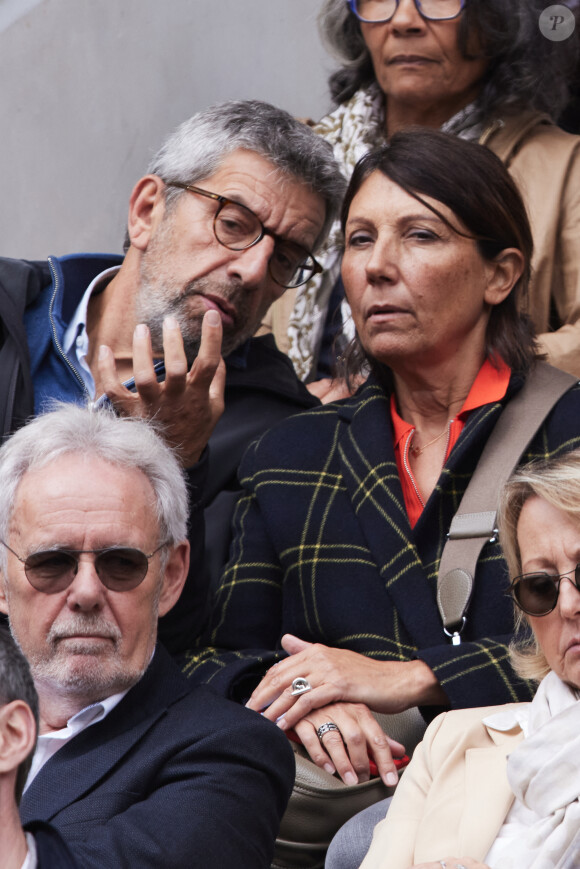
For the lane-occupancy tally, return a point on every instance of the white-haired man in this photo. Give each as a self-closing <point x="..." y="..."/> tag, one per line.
<point x="131" y="767"/>
<point x="228" y="217"/>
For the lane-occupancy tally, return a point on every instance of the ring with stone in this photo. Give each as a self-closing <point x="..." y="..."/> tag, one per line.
<point x="300" y="686"/>
<point x="443" y="864"/>
<point x="326" y="728"/>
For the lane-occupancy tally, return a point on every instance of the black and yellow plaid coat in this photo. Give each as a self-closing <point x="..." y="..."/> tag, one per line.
<point x="323" y="549"/>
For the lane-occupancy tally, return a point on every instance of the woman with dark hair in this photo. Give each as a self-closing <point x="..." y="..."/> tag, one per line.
<point x="339" y="533"/>
<point x="502" y="784"/>
<point x="482" y="70"/>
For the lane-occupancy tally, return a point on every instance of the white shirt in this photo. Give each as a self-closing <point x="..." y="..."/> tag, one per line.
<point x="49" y="743"/>
<point x="76" y="339"/>
<point x="31" y="861"/>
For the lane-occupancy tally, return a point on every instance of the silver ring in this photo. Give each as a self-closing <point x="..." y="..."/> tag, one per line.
<point x="300" y="686"/>
<point x="443" y="864"/>
<point x="326" y="728"/>
<point x="460" y="866"/>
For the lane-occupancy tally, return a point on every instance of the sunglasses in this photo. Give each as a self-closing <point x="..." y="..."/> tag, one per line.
<point x="537" y="593"/>
<point x="120" y="568"/>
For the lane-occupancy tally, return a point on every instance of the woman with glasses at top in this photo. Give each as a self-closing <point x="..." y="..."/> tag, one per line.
<point x="484" y="71"/>
<point x="502" y="784"/>
<point x="345" y="511"/>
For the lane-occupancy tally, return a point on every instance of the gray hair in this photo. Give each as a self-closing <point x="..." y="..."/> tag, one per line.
<point x="198" y="147"/>
<point x="556" y="481"/>
<point x="526" y="71"/>
<point x="16" y="684"/>
<point x="124" y="442"/>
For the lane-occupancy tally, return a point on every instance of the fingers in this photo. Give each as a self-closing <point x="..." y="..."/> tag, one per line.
<point x="293" y="645"/>
<point x="111" y="385"/>
<point x="329" y="755"/>
<point x="287" y="710"/>
<point x="330" y="390"/>
<point x="382" y="749"/>
<point x="174" y="357"/>
<point x="143" y="365"/>
<point x="348" y="748"/>
<point x="209" y="356"/>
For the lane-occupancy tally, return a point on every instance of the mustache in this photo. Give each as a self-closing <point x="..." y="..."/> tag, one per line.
<point x="84" y="626"/>
<point x="201" y="286"/>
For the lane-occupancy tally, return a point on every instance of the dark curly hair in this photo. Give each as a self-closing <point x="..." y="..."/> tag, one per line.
<point x="526" y="71"/>
<point x="483" y="196"/>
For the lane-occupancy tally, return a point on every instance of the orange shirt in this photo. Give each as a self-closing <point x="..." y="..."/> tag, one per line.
<point x="490" y="385"/>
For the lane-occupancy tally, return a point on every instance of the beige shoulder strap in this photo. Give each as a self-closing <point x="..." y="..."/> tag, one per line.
<point x="475" y="521"/>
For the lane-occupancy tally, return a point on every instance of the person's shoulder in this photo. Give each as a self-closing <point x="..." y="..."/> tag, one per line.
<point x="216" y="714"/>
<point x="306" y="433"/>
<point x="24" y="278"/>
<point x="532" y="134"/>
<point x="460" y="728"/>
<point x="259" y="366"/>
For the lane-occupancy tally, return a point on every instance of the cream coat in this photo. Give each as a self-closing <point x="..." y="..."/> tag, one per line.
<point x="453" y="798"/>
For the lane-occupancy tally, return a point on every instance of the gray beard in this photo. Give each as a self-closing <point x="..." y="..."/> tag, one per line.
<point x="95" y="679"/>
<point x="152" y="306"/>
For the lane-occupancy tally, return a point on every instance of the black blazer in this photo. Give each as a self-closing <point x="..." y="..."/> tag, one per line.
<point x="170" y="778"/>
<point x="51" y="851"/>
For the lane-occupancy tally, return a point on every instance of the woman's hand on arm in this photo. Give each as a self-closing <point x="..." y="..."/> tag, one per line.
<point x="339" y="675"/>
<point x="347" y="750"/>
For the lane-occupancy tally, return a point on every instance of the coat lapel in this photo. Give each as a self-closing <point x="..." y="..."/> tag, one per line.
<point x="371" y="477"/>
<point x="80" y="764"/>
<point x="488" y="796"/>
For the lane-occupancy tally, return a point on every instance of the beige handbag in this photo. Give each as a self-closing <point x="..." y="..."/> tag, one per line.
<point x="321" y="803"/>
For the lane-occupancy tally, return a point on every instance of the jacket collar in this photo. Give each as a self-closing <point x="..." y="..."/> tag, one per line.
<point x="79" y="765"/>
<point x="371" y="478"/>
<point x="487" y="792"/>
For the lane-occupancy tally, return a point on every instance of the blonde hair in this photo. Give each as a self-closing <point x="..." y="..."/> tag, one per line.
<point x="556" y="481"/>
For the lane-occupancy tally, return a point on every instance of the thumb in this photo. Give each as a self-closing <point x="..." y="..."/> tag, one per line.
<point x="293" y="645"/>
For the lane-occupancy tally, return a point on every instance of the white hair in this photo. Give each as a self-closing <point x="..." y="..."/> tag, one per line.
<point x="124" y="442"/>
<point x="199" y="145"/>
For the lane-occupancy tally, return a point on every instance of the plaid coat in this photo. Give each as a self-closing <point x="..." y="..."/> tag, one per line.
<point x="323" y="549"/>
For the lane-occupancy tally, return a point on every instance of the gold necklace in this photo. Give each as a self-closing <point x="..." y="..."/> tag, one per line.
<point x="416" y="451"/>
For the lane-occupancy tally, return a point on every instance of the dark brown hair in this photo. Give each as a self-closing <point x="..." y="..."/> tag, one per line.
<point x="474" y="184"/>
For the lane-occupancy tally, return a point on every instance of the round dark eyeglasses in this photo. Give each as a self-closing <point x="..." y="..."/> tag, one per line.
<point x="380" y="11"/>
<point x="120" y="568"/>
<point x="237" y="227"/>
<point x="536" y="594"/>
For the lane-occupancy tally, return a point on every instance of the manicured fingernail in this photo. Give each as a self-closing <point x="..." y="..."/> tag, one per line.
<point x="103" y="351"/>
<point x="141" y="330"/>
<point x="350" y="778"/>
<point x="213" y="318"/>
<point x="281" y="722"/>
<point x="329" y="768"/>
<point x="391" y="779"/>
<point x="171" y="323"/>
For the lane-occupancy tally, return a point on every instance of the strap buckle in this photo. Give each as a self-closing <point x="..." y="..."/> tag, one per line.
<point x="455" y="635"/>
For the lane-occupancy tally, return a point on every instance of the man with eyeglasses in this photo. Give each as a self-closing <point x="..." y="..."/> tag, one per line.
<point x="132" y="767"/>
<point x="228" y="217"/>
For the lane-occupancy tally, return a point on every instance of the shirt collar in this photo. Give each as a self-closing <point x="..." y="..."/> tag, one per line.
<point x="77" y="327"/>
<point x="490" y="385"/>
<point x="85" y="717"/>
